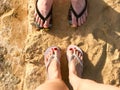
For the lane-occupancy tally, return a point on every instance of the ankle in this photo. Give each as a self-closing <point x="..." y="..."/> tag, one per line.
<point x="55" y="75"/>
<point x="75" y="68"/>
<point x="54" y="71"/>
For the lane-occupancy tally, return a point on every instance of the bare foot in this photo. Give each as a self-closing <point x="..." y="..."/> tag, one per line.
<point x="52" y="62"/>
<point x="78" y="6"/>
<point x="75" y="57"/>
<point x="44" y="7"/>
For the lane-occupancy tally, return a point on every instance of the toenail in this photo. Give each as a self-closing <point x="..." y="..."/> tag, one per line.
<point x="55" y="48"/>
<point x="70" y="49"/>
<point x="76" y="50"/>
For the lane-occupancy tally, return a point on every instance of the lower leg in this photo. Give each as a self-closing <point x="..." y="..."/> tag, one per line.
<point x="54" y="84"/>
<point x="86" y="84"/>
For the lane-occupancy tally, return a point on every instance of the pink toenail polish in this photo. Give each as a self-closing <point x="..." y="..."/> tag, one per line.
<point x="55" y="48"/>
<point x="74" y="48"/>
<point x="70" y="49"/>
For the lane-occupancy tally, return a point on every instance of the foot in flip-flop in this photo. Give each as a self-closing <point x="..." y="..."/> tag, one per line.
<point x="75" y="60"/>
<point x="77" y="13"/>
<point x="43" y="13"/>
<point x="52" y="62"/>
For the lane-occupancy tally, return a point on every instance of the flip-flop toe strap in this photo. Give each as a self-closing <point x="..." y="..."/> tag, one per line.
<point x="75" y="13"/>
<point x="79" y="60"/>
<point x="51" y="58"/>
<point x="41" y="16"/>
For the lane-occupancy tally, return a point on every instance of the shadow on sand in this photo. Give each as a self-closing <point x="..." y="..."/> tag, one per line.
<point x="102" y="23"/>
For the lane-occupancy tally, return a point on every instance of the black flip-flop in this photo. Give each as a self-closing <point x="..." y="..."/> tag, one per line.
<point x="44" y="18"/>
<point x="76" y="15"/>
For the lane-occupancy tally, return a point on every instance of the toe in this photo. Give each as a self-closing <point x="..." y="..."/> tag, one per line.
<point x="81" y="19"/>
<point x="79" y="22"/>
<point x="77" y="52"/>
<point x="86" y="13"/>
<point x="84" y="18"/>
<point x="46" y="24"/>
<point x="36" y="19"/>
<point x="74" y="21"/>
<point x="56" y="52"/>
<point x="70" y="51"/>
<point x="80" y="56"/>
<point x="41" y="23"/>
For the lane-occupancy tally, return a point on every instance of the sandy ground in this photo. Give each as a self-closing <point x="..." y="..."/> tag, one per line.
<point x="22" y="46"/>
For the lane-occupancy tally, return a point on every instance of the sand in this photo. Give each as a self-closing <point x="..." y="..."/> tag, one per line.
<point x="22" y="46"/>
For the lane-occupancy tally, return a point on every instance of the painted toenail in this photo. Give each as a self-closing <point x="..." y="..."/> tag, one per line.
<point x="55" y="48"/>
<point x="70" y="49"/>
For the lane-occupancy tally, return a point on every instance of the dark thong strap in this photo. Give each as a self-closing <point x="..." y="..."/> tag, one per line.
<point x="40" y="15"/>
<point x="81" y="13"/>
